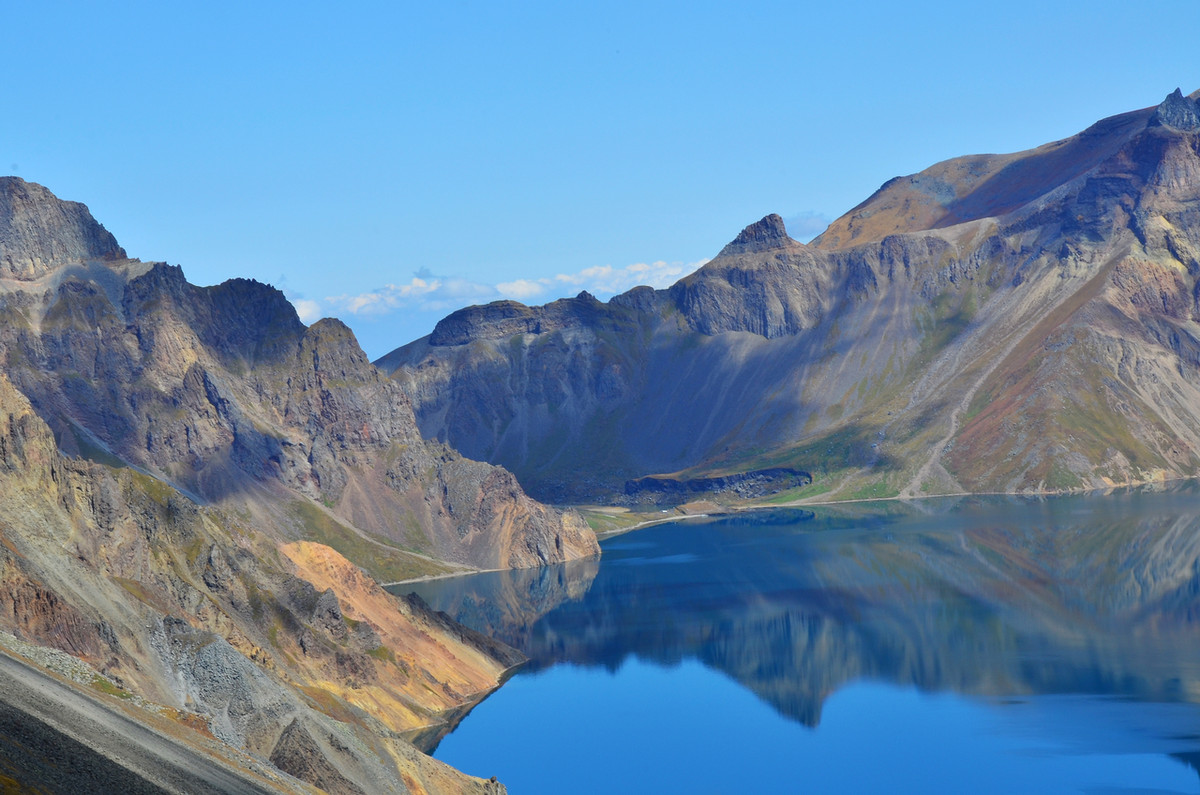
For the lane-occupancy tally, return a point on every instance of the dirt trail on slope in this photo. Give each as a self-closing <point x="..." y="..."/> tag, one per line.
<point x="913" y="488"/>
<point x="1052" y="317"/>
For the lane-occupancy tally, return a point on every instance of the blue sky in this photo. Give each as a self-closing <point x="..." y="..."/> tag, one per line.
<point x="387" y="163"/>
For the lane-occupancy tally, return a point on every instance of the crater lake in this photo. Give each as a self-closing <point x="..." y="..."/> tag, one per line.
<point x="980" y="644"/>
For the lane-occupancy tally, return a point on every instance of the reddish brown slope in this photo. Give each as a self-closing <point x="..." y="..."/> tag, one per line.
<point x="979" y="186"/>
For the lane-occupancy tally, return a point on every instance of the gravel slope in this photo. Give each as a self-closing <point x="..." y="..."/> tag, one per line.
<point x="54" y="738"/>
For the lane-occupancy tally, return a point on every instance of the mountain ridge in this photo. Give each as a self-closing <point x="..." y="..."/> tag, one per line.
<point x="870" y="356"/>
<point x="38" y="232"/>
<point x="222" y="390"/>
<point x="190" y="481"/>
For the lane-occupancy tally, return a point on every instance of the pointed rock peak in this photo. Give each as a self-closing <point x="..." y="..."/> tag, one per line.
<point x="767" y="234"/>
<point x="1177" y="112"/>
<point x="39" y="232"/>
<point x="330" y="330"/>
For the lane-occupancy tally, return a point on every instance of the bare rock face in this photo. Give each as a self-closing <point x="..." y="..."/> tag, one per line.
<point x="299" y="754"/>
<point x="1177" y="112"/>
<point x="39" y="233"/>
<point x="194" y="609"/>
<point x="223" y="392"/>
<point x="498" y="319"/>
<point x="763" y="282"/>
<point x="180" y="470"/>
<point x="1017" y="322"/>
<point x="765" y="235"/>
<point x="503" y="319"/>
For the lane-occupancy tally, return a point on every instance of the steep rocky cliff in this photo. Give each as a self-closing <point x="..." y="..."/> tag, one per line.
<point x="1021" y="322"/>
<point x="225" y="394"/>
<point x="213" y="625"/>
<point x="190" y="479"/>
<point x="39" y="232"/>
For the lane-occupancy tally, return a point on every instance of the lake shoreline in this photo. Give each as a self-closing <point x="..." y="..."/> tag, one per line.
<point x="717" y="510"/>
<point x="986" y="644"/>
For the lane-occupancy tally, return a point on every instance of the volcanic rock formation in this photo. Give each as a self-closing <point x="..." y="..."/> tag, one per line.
<point x="190" y="480"/>
<point x="1020" y="322"/>
<point x="225" y="394"/>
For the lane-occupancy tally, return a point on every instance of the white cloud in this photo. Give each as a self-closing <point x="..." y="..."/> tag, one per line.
<point x="522" y="289"/>
<point x="457" y="293"/>
<point x="309" y="311"/>
<point x="423" y="291"/>
<point x="806" y="225"/>
<point x="606" y="280"/>
<point x="431" y="293"/>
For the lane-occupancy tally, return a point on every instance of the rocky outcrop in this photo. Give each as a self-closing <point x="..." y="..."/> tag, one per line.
<point x="1177" y="112"/>
<point x="1018" y="322"/>
<point x="193" y="608"/>
<point x="768" y="234"/>
<point x="224" y="393"/>
<point x="746" y="485"/>
<point x="503" y="319"/>
<point x="38" y="232"/>
<point x="298" y="754"/>
<point x="766" y="285"/>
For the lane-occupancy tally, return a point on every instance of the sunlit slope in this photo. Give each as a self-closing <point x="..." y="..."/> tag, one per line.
<point x="1030" y="327"/>
<point x="222" y="392"/>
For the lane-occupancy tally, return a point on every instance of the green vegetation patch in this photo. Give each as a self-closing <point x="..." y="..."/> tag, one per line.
<point x="979" y="401"/>
<point x="848" y="447"/>
<point x="139" y="591"/>
<point x="1101" y="427"/>
<point x="324" y="701"/>
<point x="814" y="489"/>
<point x="1062" y="479"/>
<point x="155" y="489"/>
<point x="382" y="561"/>
<point x="383" y="654"/>
<point x="949" y="318"/>
<point x="196" y="546"/>
<point x="604" y="522"/>
<point x="877" y="490"/>
<point x="105" y="685"/>
<point x="91" y="451"/>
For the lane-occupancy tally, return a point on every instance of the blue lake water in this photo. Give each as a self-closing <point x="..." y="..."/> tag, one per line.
<point x="979" y="645"/>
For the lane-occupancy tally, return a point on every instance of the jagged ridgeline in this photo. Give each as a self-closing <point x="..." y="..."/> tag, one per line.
<point x="223" y="393"/>
<point x="190" y="479"/>
<point x="1016" y="323"/>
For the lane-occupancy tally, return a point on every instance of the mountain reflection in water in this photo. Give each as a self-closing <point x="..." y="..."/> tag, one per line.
<point x="986" y="597"/>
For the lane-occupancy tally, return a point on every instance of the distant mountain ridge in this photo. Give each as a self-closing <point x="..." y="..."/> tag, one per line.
<point x="1021" y="322"/>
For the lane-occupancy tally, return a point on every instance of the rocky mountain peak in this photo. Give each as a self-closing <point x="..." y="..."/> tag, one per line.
<point x="497" y="319"/>
<point x="503" y="319"/>
<point x="40" y="232"/>
<point x="764" y="235"/>
<point x="1177" y="112"/>
<point x="945" y="301"/>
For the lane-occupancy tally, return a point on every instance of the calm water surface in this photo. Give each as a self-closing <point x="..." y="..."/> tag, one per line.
<point x="981" y="645"/>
